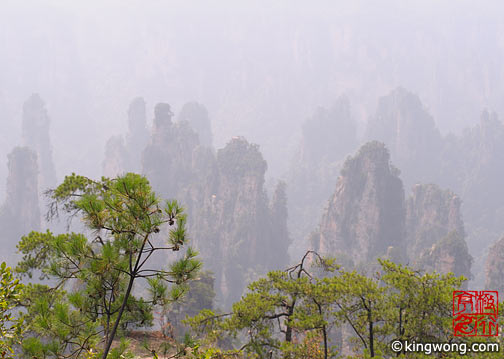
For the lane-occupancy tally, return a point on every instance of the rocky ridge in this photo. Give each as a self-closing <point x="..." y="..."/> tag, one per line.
<point x="20" y="213"/>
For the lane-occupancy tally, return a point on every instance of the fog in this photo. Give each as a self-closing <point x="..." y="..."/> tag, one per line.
<point x="358" y="130"/>
<point x="261" y="69"/>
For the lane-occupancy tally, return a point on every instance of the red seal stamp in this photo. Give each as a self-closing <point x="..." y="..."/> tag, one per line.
<point x="475" y="313"/>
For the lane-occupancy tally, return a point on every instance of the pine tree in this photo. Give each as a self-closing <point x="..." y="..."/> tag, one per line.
<point x="89" y="301"/>
<point x="10" y="328"/>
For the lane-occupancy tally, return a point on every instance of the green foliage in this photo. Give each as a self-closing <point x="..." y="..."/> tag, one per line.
<point x="90" y="298"/>
<point x="420" y="303"/>
<point x="360" y="301"/>
<point x="374" y="150"/>
<point x="454" y="244"/>
<point x="10" y="328"/>
<point x="276" y="310"/>
<point x="200" y="295"/>
<point x="295" y="313"/>
<point x="52" y="323"/>
<point x="240" y="158"/>
<point x="212" y="353"/>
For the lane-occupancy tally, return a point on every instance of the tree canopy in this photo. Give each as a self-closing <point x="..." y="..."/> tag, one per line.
<point x="322" y="311"/>
<point x="89" y="299"/>
<point x="10" y="328"/>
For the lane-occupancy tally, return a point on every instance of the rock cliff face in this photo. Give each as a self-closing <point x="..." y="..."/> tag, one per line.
<point x="365" y="216"/>
<point x="450" y="254"/>
<point x="241" y="216"/>
<point x="280" y="234"/>
<point x="434" y="219"/>
<point x="495" y="267"/>
<point x="137" y="136"/>
<point x="238" y="231"/>
<point x="409" y="131"/>
<point x="35" y="133"/>
<point x="125" y="154"/>
<point x="197" y="116"/>
<point x="327" y="138"/>
<point x="20" y="213"/>
<point x="483" y="152"/>
<point x="167" y="159"/>
<point x="435" y="231"/>
<point x="249" y="235"/>
<point x="240" y="234"/>
<point x="473" y="163"/>
<point x="115" y="157"/>
<point x="431" y="213"/>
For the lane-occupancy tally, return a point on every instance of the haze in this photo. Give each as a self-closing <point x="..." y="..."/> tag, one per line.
<point x="262" y="69"/>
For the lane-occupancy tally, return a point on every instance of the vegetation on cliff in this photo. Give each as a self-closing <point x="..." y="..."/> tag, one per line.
<point x="365" y="215"/>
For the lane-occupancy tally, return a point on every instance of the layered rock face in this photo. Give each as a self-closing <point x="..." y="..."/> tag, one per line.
<point x="365" y="217"/>
<point x="20" y="213"/>
<point x="238" y="232"/>
<point x="431" y="214"/>
<point x="435" y="231"/>
<point x="35" y="133"/>
<point x="240" y="221"/>
<point x="409" y="131"/>
<point x="495" y="267"/>
<point x="470" y="164"/>
<point x="449" y="255"/>
<point x="327" y="138"/>
<point x="416" y="146"/>
<point x="258" y="226"/>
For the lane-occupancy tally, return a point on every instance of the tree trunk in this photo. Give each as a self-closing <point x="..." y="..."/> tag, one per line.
<point x="116" y="324"/>
<point x="324" y="332"/>
<point x="126" y="296"/>
<point x="371" y="333"/>
<point x="288" y="330"/>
